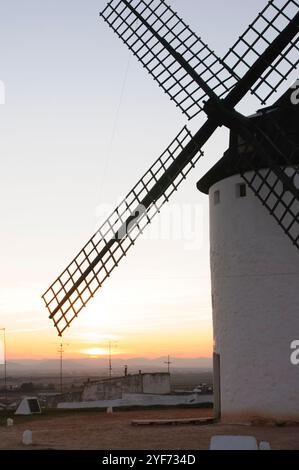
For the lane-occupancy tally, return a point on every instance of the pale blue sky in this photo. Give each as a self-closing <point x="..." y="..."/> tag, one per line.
<point x="64" y="70"/>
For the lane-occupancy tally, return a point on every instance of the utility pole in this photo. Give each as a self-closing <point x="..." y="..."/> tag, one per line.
<point x="110" y="361"/>
<point x="110" y="343"/>
<point x="168" y="364"/>
<point x="61" y="351"/>
<point x="5" y="364"/>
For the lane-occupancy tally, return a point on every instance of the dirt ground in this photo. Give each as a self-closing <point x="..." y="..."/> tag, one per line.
<point x="98" y="430"/>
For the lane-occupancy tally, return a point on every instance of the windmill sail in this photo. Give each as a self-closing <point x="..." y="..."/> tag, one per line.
<point x="276" y="183"/>
<point x="145" y="27"/>
<point x="101" y="255"/>
<point x="259" y="35"/>
<point x="280" y="203"/>
<point x="189" y="72"/>
<point x="161" y="41"/>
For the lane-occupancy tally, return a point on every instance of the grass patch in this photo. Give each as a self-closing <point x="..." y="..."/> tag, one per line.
<point x="58" y="413"/>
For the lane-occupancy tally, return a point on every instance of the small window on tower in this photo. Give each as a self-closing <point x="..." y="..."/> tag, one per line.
<point x="216" y="197"/>
<point x="241" y="190"/>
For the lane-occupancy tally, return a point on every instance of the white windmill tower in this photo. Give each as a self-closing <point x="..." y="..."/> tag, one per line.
<point x="253" y="237"/>
<point x="255" y="274"/>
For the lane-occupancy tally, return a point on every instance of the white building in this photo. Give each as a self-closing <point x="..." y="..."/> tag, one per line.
<point x="255" y="293"/>
<point x="116" y="387"/>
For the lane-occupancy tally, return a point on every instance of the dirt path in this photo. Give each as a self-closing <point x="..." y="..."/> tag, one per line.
<point x="102" y="431"/>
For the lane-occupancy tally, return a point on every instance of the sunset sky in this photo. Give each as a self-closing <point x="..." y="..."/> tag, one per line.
<point x="81" y="123"/>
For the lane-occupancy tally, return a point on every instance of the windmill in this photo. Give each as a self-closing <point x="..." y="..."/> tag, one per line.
<point x="199" y="83"/>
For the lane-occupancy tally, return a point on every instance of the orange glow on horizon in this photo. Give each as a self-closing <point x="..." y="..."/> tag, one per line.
<point x="181" y="344"/>
<point x="95" y="352"/>
<point x="172" y="324"/>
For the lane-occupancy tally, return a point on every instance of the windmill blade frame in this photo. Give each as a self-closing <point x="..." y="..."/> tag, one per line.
<point x="280" y="203"/>
<point x="70" y="292"/>
<point x="168" y="61"/>
<point x="266" y="160"/>
<point x="253" y="42"/>
<point x="170" y="51"/>
<point x="66" y="297"/>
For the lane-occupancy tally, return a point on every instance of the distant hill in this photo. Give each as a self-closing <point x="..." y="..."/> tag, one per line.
<point x="100" y="365"/>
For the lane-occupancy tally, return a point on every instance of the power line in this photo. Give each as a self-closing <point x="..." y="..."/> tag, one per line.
<point x="115" y="123"/>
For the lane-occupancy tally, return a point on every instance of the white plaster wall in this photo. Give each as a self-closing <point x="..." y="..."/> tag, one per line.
<point x="255" y="296"/>
<point x="134" y="399"/>
<point x="90" y="392"/>
<point x="156" y="383"/>
<point x="146" y="383"/>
